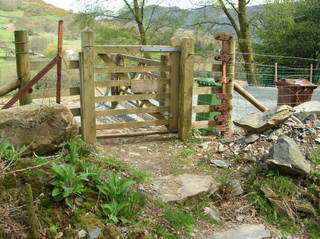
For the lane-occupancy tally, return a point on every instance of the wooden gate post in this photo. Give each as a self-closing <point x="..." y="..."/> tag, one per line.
<point x="231" y="74"/>
<point x="174" y="61"/>
<point x="87" y="90"/>
<point x="23" y="63"/>
<point x="186" y="88"/>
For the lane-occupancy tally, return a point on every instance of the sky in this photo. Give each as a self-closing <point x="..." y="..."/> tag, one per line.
<point x="117" y="4"/>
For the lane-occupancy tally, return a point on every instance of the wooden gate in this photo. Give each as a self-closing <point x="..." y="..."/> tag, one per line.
<point x="162" y="88"/>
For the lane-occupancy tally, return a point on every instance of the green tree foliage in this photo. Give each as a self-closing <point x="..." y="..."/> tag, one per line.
<point x="291" y="28"/>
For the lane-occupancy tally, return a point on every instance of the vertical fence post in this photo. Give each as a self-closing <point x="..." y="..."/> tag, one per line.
<point x="275" y="72"/>
<point x="231" y="74"/>
<point x="87" y="90"/>
<point x="186" y="88"/>
<point x="164" y="62"/>
<point x="23" y="63"/>
<point x="174" y="61"/>
<point x="311" y="72"/>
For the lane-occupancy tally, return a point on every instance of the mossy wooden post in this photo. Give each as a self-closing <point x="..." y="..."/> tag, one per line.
<point x="174" y="61"/>
<point x="231" y="74"/>
<point x="87" y="91"/>
<point x="186" y="88"/>
<point x="23" y="63"/>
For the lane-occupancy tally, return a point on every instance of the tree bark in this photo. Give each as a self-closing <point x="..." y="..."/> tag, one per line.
<point x="243" y="33"/>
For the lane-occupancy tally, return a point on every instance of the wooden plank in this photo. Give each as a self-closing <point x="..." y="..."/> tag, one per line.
<point x="48" y="93"/>
<point x="149" y="62"/>
<point x="132" y="111"/>
<point x="104" y="136"/>
<point x="245" y="94"/>
<point x="110" y="83"/>
<point x="135" y="124"/>
<point x="107" y="59"/>
<point x="186" y="88"/>
<point x="148" y="86"/>
<point x="206" y="90"/>
<point x="87" y="97"/>
<point x="134" y="83"/>
<point x="129" y="49"/>
<point x="134" y="69"/>
<point x="174" y="61"/>
<point x="23" y="63"/>
<point x="204" y="124"/>
<point x="230" y="84"/>
<point x="40" y="63"/>
<point x="131" y="97"/>
<point x="203" y="108"/>
<point x="9" y="87"/>
<point x="206" y="67"/>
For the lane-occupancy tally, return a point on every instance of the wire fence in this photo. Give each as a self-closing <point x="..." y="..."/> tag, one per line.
<point x="264" y="87"/>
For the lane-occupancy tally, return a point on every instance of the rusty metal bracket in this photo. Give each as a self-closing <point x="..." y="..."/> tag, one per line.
<point x="224" y="96"/>
<point x="222" y="118"/>
<point x="223" y="37"/>
<point x="29" y="85"/>
<point x="55" y="61"/>
<point x="223" y="58"/>
<point x="223" y="108"/>
<point x="221" y="79"/>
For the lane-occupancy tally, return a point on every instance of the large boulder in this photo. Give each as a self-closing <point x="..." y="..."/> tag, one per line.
<point x="286" y="156"/>
<point x="261" y="122"/>
<point x="40" y="128"/>
<point x="308" y="111"/>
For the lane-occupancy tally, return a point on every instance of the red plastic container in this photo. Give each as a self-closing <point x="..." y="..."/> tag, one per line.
<point x="294" y="92"/>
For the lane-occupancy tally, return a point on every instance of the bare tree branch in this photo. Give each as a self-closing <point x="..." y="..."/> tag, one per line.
<point x="229" y="16"/>
<point x="233" y="6"/>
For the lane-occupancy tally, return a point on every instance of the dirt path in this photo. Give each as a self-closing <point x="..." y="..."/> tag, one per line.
<point x="159" y="155"/>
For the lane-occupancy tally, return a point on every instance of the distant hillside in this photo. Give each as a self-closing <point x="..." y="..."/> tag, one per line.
<point x="39" y="18"/>
<point x="209" y="13"/>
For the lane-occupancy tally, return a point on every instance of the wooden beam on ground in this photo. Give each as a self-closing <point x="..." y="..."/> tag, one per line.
<point x="245" y="94"/>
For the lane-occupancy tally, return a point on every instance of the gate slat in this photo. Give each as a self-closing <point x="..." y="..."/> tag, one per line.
<point x="131" y="97"/>
<point x="207" y="90"/>
<point x="136" y="124"/>
<point x="204" y="124"/>
<point x="133" y="69"/>
<point x="132" y="111"/>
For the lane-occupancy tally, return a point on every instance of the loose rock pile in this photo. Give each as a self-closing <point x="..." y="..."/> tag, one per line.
<point x="282" y="137"/>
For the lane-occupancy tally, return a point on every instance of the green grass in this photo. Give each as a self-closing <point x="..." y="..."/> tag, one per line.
<point x="315" y="159"/>
<point x="185" y="153"/>
<point x="179" y="219"/>
<point x="6" y="35"/>
<point x="4" y="21"/>
<point x="11" y="13"/>
<point x="284" y="189"/>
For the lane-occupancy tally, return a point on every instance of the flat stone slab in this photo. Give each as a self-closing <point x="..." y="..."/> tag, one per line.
<point x="286" y="156"/>
<point x="181" y="187"/>
<point x="245" y="231"/>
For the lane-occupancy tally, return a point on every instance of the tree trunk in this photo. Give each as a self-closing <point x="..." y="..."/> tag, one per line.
<point x="245" y="42"/>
